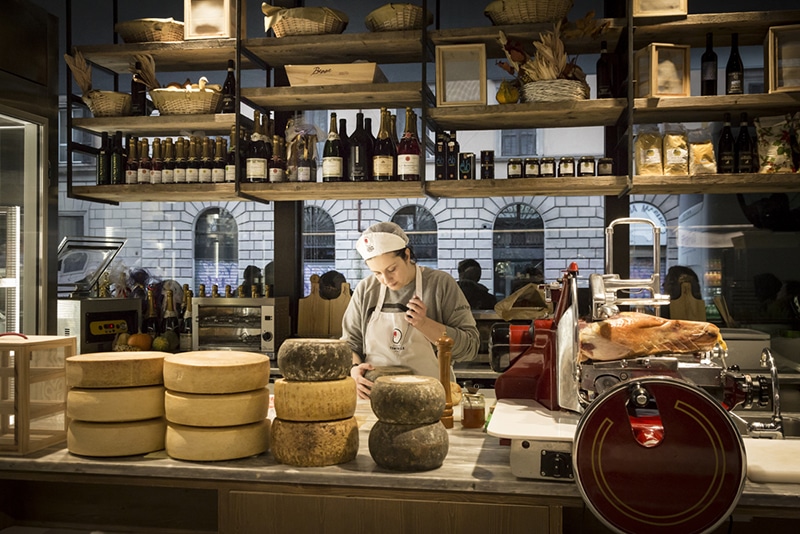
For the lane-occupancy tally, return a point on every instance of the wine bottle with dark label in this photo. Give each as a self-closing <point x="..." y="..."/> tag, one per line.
<point x="708" y="68"/>
<point x="384" y="154"/>
<point x="104" y="161"/>
<point x="726" y="148"/>
<point x="734" y="71"/>
<point x="332" y="155"/>
<point x="408" y="150"/>
<point x="229" y="90"/>
<point x="117" y="160"/>
<point x="360" y="160"/>
<point x="605" y="73"/>
<point x="344" y="139"/>
<point x="744" y="146"/>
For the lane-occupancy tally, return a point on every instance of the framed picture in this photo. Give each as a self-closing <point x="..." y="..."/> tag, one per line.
<point x="460" y="75"/>
<point x="659" y="8"/>
<point x="782" y="58"/>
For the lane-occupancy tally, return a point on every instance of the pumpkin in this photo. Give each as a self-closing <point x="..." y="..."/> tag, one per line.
<point x="141" y="341"/>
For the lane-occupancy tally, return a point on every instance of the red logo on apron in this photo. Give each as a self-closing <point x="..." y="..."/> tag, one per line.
<point x="397" y="336"/>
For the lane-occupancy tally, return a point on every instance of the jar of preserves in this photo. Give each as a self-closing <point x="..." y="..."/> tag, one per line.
<point x="514" y="168"/>
<point x="605" y="167"/>
<point x="547" y="167"/>
<point x="586" y="166"/>
<point x="473" y="409"/>
<point x="566" y="166"/>
<point x="531" y="169"/>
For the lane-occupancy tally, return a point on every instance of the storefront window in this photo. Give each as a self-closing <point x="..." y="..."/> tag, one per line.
<point x="319" y="244"/>
<point x="518" y="243"/>
<point x="216" y="249"/>
<point x="420" y="226"/>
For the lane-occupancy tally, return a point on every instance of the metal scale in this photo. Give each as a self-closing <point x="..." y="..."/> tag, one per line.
<point x="649" y="441"/>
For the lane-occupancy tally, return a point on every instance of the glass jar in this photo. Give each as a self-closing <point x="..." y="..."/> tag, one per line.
<point x="473" y="410"/>
<point x="531" y="168"/>
<point x="605" y="167"/>
<point x="547" y="167"/>
<point x="586" y="166"/>
<point x="566" y="166"/>
<point x="514" y="168"/>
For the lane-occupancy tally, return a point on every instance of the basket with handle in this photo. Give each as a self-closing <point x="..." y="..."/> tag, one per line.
<point x="108" y="103"/>
<point x="185" y="102"/>
<point x="394" y="17"/>
<point x="150" y="30"/>
<point x="303" y="20"/>
<point x="502" y="12"/>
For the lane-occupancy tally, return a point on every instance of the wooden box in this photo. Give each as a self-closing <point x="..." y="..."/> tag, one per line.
<point x="207" y="19"/>
<point x="334" y="74"/>
<point x="660" y="8"/>
<point x="662" y="70"/>
<point x="460" y="75"/>
<point x="782" y="59"/>
<point x="33" y="392"/>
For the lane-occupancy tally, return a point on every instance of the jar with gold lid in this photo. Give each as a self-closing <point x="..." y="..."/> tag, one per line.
<point x="473" y="409"/>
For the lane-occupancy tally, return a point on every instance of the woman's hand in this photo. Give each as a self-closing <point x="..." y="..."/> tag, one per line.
<point x="363" y="386"/>
<point x="416" y="313"/>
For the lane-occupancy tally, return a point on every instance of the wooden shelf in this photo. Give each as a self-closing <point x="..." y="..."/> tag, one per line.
<point x="333" y="191"/>
<point x="173" y="56"/>
<point x="355" y="96"/>
<point x="711" y="108"/>
<point x="157" y="193"/>
<point x="567" y="186"/>
<point x="716" y="184"/>
<point x="219" y="123"/>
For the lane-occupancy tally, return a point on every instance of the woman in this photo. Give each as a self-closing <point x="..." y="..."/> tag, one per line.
<point x="397" y="314"/>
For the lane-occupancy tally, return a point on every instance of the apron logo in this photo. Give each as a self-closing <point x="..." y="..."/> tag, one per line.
<point x="397" y="336"/>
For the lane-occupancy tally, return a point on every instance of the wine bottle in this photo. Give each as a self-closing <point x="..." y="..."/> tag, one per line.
<point x="206" y="162"/>
<point x="332" y="155"/>
<point x="726" y="151"/>
<point x="185" y="335"/>
<point x="453" y="150"/>
<point x="117" y="159"/>
<point x="408" y="150"/>
<point x="384" y="154"/>
<point x="257" y="153"/>
<point x="304" y="166"/>
<point x="744" y="146"/>
<point x="229" y="90"/>
<point x="201" y="290"/>
<point x="708" y="68"/>
<point x="156" y="163"/>
<point x="180" y="161"/>
<point x="218" y="165"/>
<point x="215" y="291"/>
<point x="605" y="73"/>
<point x="151" y="325"/>
<point x="168" y="173"/>
<point x="360" y="153"/>
<point x="344" y="139"/>
<point x="230" y="161"/>
<point x="734" y="71"/>
<point x="170" y="321"/>
<point x="104" y="161"/>
<point x="193" y="162"/>
<point x="143" y="177"/>
<point x="277" y="165"/>
<point x="138" y="94"/>
<point x="132" y="161"/>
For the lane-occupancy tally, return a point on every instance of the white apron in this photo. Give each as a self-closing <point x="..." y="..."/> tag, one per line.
<point x="390" y="340"/>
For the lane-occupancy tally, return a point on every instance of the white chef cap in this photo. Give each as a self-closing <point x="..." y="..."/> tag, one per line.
<point x="381" y="238"/>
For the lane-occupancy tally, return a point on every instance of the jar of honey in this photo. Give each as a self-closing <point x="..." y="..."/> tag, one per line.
<point x="473" y="410"/>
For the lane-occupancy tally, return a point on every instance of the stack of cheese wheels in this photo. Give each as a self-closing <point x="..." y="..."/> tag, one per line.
<point x="315" y="404"/>
<point x="115" y="403"/>
<point x="408" y="435"/>
<point x="216" y="405"/>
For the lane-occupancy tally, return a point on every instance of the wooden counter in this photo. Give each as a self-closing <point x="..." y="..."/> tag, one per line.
<point x="473" y="490"/>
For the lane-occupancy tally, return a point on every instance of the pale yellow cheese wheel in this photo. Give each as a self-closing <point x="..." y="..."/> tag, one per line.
<point x="116" y="439"/>
<point x="115" y="405"/>
<point x="227" y="409"/>
<point x="214" y="444"/>
<point x="315" y="401"/>
<point x="314" y="444"/>
<point x="216" y="371"/>
<point x="115" y="369"/>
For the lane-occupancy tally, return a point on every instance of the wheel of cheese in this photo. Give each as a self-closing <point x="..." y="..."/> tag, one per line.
<point x="115" y="405"/>
<point x="227" y="409"/>
<point x="408" y="399"/>
<point x="408" y="447"/>
<point x="315" y="401"/>
<point x="315" y="360"/>
<point x="221" y="443"/>
<point x="314" y="444"/>
<point x="116" y="439"/>
<point x="115" y="369"/>
<point x="216" y="371"/>
<point x="387" y="370"/>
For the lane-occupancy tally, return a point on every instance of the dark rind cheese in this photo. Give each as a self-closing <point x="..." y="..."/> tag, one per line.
<point x="315" y="360"/>
<point x="388" y="370"/>
<point x="314" y="444"/>
<point x="408" y="447"/>
<point x="408" y="399"/>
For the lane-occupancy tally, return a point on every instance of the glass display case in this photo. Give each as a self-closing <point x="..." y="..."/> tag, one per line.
<point x="9" y="269"/>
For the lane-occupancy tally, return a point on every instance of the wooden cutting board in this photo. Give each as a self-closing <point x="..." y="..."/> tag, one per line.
<point x="338" y="306"/>
<point x="313" y="313"/>
<point x="773" y="460"/>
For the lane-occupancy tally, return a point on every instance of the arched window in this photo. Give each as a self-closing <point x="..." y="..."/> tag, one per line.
<point x="518" y="242"/>
<point x="641" y="242"/>
<point x="319" y="244"/>
<point x="216" y="249"/>
<point x="420" y="226"/>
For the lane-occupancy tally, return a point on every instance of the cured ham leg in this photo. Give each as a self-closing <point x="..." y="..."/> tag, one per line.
<point x="633" y="334"/>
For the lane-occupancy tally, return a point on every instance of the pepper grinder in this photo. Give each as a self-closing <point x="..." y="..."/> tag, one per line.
<point x="444" y="346"/>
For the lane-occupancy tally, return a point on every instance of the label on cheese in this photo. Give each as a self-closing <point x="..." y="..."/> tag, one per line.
<point x="315" y="401"/>
<point x="408" y="447"/>
<point x="314" y="444"/>
<point x="214" y="444"/>
<point x="229" y="409"/>
<point x="216" y="371"/>
<point x="115" y="369"/>
<point x="116" y="439"/>
<point x="408" y="399"/>
<point x="115" y="405"/>
<point x="315" y="360"/>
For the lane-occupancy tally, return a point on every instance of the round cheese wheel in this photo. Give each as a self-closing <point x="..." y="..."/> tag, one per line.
<point x="387" y="370"/>
<point x="315" y="360"/>
<point x="213" y="444"/>
<point x="314" y="444"/>
<point x="315" y="401"/>
<point x="408" y="399"/>
<point x="115" y="369"/>
<point x="408" y="447"/>
<point x="115" y="405"/>
<point x="216" y="371"/>
<point x="228" y="409"/>
<point x="116" y="439"/>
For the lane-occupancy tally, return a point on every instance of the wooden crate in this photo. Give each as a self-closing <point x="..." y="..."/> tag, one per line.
<point x="207" y="19"/>
<point x="662" y="70"/>
<point x="782" y="59"/>
<point x="33" y="392"/>
<point x="334" y="74"/>
<point x="660" y="8"/>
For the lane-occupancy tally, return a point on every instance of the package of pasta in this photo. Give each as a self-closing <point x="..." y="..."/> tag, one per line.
<point x="774" y="138"/>
<point x="647" y="149"/>
<point x="702" y="159"/>
<point x="675" y="150"/>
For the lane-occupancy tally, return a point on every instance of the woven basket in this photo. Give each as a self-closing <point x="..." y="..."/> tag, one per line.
<point x="150" y="30"/>
<point x="108" y="103"/>
<point x="294" y="21"/>
<point x="172" y="102"/>
<point x="554" y="91"/>
<point x="502" y="12"/>
<point x="394" y="17"/>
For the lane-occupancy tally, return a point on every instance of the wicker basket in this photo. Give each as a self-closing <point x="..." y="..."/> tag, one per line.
<point x="108" y="103"/>
<point x="502" y="12"/>
<point x="393" y="17"/>
<point x="149" y="30"/>
<point x="182" y="102"/>
<point x="554" y="91"/>
<point x="304" y="20"/>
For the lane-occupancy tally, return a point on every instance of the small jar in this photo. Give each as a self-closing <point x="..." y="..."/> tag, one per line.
<point x="531" y="168"/>
<point x="605" y="167"/>
<point x="547" y="167"/>
<point x="514" y="168"/>
<point x="473" y="410"/>
<point x="586" y="166"/>
<point x="566" y="166"/>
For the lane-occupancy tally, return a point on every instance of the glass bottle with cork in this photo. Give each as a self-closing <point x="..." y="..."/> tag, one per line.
<point x="734" y="70"/>
<point x="117" y="159"/>
<point x="168" y="172"/>
<point x="229" y="89"/>
<point x="132" y="161"/>
<point x="408" y="150"/>
<point x="333" y="155"/>
<point x="383" y="159"/>
<point x="143" y="175"/>
<point x="180" y="161"/>
<point x="192" y="162"/>
<point x="206" y="163"/>
<point x="230" y="161"/>
<point x="218" y="164"/>
<point x="156" y="164"/>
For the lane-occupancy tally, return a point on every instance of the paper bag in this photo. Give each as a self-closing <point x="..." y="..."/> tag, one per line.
<point x="527" y="302"/>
